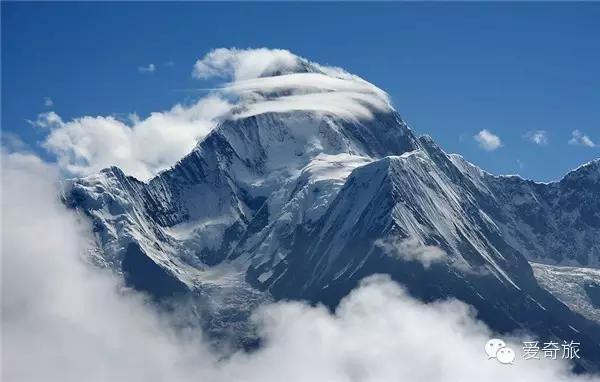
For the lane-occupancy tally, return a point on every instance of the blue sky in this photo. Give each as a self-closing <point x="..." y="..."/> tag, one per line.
<point x="452" y="69"/>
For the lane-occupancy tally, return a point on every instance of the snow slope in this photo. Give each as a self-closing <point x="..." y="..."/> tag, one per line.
<point x="578" y="288"/>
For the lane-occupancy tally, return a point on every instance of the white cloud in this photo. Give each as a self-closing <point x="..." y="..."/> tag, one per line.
<point x="150" y="68"/>
<point x="349" y="105"/>
<point x="579" y="138"/>
<point x="65" y="320"/>
<point x="379" y="333"/>
<point x="487" y="140"/>
<point x="48" y="102"/>
<point x="275" y="80"/>
<point x="62" y="319"/>
<point x="412" y="250"/>
<point x="140" y="148"/>
<point x="46" y="120"/>
<point x="264" y="80"/>
<point x="539" y="137"/>
<point x="343" y="96"/>
<point x="12" y="142"/>
<point x="244" y="64"/>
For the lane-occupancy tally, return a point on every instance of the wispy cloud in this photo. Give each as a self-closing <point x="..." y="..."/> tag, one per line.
<point x="487" y="140"/>
<point x="580" y="139"/>
<point x="46" y="120"/>
<point x="13" y="143"/>
<point x="539" y="137"/>
<point x="48" y="102"/>
<point x="150" y="68"/>
<point x="412" y="250"/>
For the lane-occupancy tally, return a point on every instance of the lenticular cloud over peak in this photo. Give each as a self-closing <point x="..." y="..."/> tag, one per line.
<point x="276" y="80"/>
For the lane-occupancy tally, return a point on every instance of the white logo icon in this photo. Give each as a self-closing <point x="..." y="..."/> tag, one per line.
<point x="496" y="348"/>
<point x="505" y="355"/>
<point x="492" y="347"/>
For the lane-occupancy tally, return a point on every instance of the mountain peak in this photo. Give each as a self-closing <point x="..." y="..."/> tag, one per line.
<point x="589" y="169"/>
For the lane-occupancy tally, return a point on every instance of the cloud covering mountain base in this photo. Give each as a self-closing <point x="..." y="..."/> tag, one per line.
<point x="64" y="320"/>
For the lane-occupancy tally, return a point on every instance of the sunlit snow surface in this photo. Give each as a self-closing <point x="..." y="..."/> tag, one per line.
<point x="578" y="288"/>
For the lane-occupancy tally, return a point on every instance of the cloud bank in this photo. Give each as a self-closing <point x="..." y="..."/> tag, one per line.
<point x="254" y="81"/>
<point x="140" y="147"/>
<point x="64" y="320"/>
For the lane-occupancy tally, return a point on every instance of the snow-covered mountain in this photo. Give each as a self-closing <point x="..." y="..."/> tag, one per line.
<point x="301" y="198"/>
<point x="557" y="222"/>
